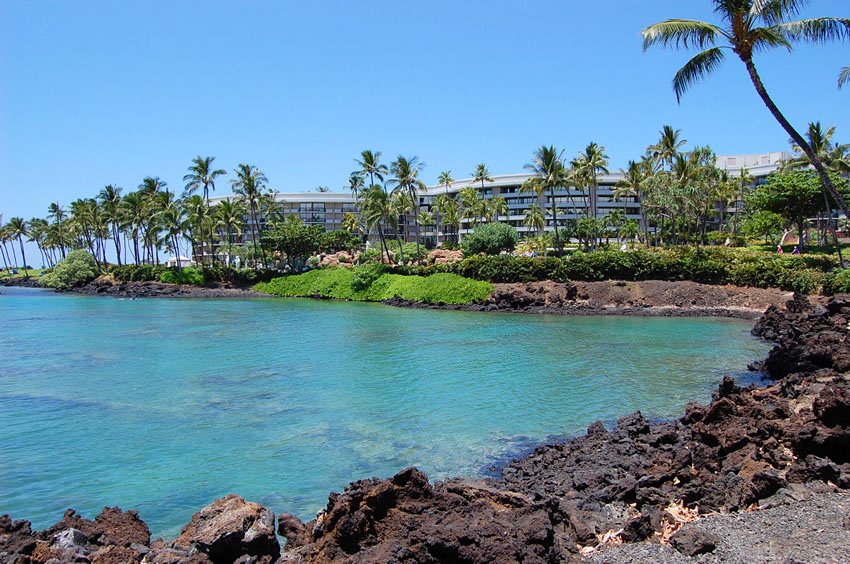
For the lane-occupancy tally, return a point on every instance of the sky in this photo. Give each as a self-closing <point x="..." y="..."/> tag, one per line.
<point x="104" y="92"/>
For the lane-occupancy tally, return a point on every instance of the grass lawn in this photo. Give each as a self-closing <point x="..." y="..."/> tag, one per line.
<point x="33" y="272"/>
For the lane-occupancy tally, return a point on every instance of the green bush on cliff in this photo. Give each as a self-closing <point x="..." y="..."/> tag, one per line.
<point x="837" y="282"/>
<point x="137" y="272"/>
<point x="346" y="284"/>
<point x="187" y="275"/>
<point x="490" y="239"/>
<point x="74" y="270"/>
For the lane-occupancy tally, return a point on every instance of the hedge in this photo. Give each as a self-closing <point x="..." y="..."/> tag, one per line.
<point x="339" y="283"/>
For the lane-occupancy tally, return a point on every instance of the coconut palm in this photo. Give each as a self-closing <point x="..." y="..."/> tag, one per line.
<point x="472" y="204"/>
<point x="668" y="145"/>
<point x="110" y="202"/>
<point x="843" y="77"/>
<point x="550" y="173"/>
<point x="832" y="154"/>
<point x="56" y="212"/>
<point x="632" y="185"/>
<point x="17" y="229"/>
<point x="595" y="162"/>
<point x="496" y="207"/>
<point x="370" y="163"/>
<point x="350" y="222"/>
<point x="749" y="27"/>
<point x="481" y="174"/>
<point x="445" y="179"/>
<point x="406" y="181"/>
<point x="249" y="184"/>
<point x="229" y="216"/>
<point x="355" y="184"/>
<point x="535" y="219"/>
<point x="375" y="210"/>
<point x="202" y="175"/>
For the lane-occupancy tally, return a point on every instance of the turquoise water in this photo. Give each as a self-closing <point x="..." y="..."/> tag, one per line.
<point x="164" y="405"/>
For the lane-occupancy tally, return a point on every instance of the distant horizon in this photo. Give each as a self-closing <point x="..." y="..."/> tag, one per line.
<point x="109" y="93"/>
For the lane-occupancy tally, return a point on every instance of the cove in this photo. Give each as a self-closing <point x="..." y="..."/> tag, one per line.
<point x="164" y="405"/>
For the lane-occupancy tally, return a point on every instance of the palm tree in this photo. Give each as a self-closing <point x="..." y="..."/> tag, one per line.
<point x="482" y="175"/>
<point x="496" y="207"/>
<point x="445" y="179"/>
<point x="370" y="163"/>
<point x="58" y="214"/>
<point x="831" y="154"/>
<point x="473" y="205"/>
<point x="749" y="26"/>
<point x="18" y="230"/>
<point x="133" y="213"/>
<point x="595" y="162"/>
<point x="550" y="173"/>
<point x="202" y="175"/>
<point x="355" y="184"/>
<point x="229" y="216"/>
<point x="843" y="77"/>
<point x="110" y="201"/>
<point x="535" y="219"/>
<point x="375" y="209"/>
<point x="451" y="216"/>
<point x="406" y="180"/>
<point x="668" y="145"/>
<point x="633" y="184"/>
<point x="249" y="183"/>
<point x="350" y="222"/>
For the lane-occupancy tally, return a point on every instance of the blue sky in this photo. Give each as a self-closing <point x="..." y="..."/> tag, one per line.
<point x="93" y="93"/>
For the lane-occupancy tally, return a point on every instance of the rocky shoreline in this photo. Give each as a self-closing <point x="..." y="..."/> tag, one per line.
<point x="633" y="492"/>
<point x="655" y="298"/>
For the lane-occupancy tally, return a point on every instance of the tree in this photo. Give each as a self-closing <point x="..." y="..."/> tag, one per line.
<point x="481" y="174"/>
<point x="550" y="174"/>
<point x="322" y="189"/>
<point x="765" y="225"/>
<point x="796" y="196"/>
<point x="534" y="218"/>
<point x="472" y="205"/>
<point x="350" y="222"/>
<point x="229" y="217"/>
<point x="594" y="161"/>
<point x="668" y="145"/>
<point x="633" y="184"/>
<point x="249" y="184"/>
<point x="18" y="230"/>
<point x="76" y="269"/>
<point x="110" y="202"/>
<point x="490" y="239"/>
<point x="370" y="163"/>
<point x="749" y="27"/>
<point x="496" y="207"/>
<point x="843" y="77"/>
<point x="295" y="241"/>
<point x="375" y="209"/>
<point x="406" y="181"/>
<point x="202" y="175"/>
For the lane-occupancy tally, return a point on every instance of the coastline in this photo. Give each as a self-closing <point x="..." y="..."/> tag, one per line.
<point x="777" y="448"/>
<point x="653" y="298"/>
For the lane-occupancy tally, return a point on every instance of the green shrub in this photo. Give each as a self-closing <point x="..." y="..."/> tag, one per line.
<point x="490" y="239"/>
<point x="508" y="268"/>
<point x="339" y="283"/>
<point x="365" y="275"/>
<point x="837" y="282"/>
<point x="186" y="275"/>
<point x="74" y="270"/>
<point x="137" y="272"/>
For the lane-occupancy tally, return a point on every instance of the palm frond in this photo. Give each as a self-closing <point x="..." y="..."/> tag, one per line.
<point x="773" y="12"/>
<point x="844" y="77"/>
<point x="765" y="38"/>
<point x="698" y="67"/>
<point x="681" y="33"/>
<point x="817" y="30"/>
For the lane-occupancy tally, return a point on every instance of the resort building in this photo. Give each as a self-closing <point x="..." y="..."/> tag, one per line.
<point x="327" y="209"/>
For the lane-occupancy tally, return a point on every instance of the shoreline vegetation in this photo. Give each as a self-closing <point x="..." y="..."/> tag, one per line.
<point x="753" y="453"/>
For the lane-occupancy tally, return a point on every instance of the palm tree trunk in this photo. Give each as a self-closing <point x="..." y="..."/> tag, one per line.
<point x="826" y="182"/>
<point x="23" y="256"/>
<point x="558" y="244"/>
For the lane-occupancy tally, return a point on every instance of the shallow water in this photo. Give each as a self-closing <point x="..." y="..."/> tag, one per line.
<point x="164" y="405"/>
